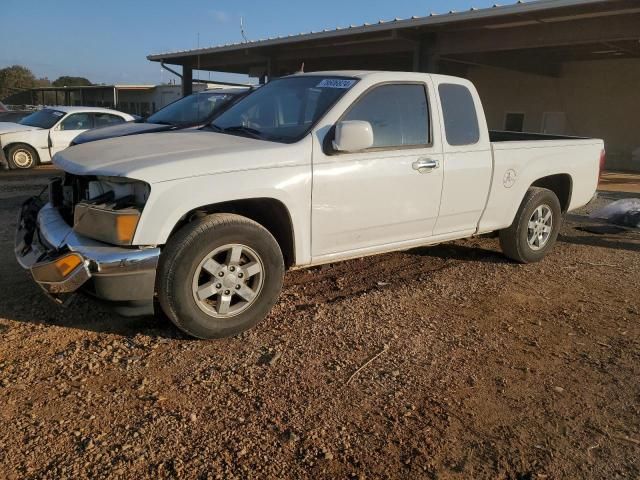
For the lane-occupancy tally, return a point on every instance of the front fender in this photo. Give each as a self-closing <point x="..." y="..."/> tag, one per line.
<point x="170" y="201"/>
<point x="36" y="139"/>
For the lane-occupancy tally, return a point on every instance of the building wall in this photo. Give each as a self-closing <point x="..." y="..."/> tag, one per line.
<point x="600" y="99"/>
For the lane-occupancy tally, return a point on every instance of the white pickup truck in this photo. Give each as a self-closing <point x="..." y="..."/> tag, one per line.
<point x="310" y="169"/>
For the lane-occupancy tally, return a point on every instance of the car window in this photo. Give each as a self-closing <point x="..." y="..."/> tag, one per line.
<point x="77" y="121"/>
<point x="398" y="114"/>
<point x="106" y="119"/>
<point x="45" y="118"/>
<point x="285" y="109"/>
<point x="195" y="108"/>
<point x="460" y="116"/>
<point x="288" y="111"/>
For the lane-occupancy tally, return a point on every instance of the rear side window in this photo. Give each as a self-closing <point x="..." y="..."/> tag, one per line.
<point x="398" y="114"/>
<point x="77" y="121"/>
<point x="460" y="116"/>
<point x="106" y="119"/>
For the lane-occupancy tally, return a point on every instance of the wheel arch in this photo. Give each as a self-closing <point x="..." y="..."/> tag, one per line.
<point x="561" y="184"/>
<point x="271" y="213"/>
<point x="15" y="143"/>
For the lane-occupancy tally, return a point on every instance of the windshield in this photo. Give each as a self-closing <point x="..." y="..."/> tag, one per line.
<point x="284" y="110"/>
<point x="196" y="108"/>
<point x="46" y="118"/>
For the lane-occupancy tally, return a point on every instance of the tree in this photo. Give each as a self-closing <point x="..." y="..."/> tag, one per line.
<point x="14" y="79"/>
<point x="66" y="81"/>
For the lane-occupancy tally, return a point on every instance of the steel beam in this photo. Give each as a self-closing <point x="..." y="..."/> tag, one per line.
<point x="187" y="80"/>
<point x="541" y="35"/>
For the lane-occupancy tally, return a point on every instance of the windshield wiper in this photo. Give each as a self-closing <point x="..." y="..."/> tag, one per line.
<point x="243" y="129"/>
<point x="163" y="122"/>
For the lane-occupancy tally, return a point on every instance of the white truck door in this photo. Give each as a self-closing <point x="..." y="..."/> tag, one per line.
<point x="367" y="201"/>
<point x="468" y="160"/>
<point x="61" y="135"/>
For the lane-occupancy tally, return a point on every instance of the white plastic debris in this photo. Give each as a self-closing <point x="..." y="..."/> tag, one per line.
<point x="624" y="212"/>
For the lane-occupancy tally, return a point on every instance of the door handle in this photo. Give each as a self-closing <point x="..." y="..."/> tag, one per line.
<point x="426" y="165"/>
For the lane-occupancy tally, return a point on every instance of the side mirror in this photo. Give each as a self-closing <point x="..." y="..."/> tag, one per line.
<point x="353" y="136"/>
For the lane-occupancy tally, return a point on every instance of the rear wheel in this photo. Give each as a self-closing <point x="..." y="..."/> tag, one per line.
<point x="219" y="276"/>
<point x="22" y="157"/>
<point x="535" y="229"/>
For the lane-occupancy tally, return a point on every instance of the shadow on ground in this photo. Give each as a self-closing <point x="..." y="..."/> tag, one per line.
<point x="24" y="302"/>
<point x="465" y="253"/>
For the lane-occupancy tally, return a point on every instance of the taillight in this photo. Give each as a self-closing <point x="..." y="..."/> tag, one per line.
<point x="603" y="160"/>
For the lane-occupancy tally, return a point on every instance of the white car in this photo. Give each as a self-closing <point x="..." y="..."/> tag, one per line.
<point x="309" y="169"/>
<point x="39" y="136"/>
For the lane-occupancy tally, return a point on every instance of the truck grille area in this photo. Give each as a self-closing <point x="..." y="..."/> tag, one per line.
<point x="66" y="192"/>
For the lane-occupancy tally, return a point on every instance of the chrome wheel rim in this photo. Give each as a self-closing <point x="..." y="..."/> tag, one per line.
<point x="22" y="158"/>
<point x="228" y="280"/>
<point x="540" y="227"/>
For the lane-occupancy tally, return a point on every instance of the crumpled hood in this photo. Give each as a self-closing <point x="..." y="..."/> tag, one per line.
<point x="159" y="157"/>
<point x="10" y="127"/>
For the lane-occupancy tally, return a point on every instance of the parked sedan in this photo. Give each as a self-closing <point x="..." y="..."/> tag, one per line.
<point x="194" y="110"/>
<point x="39" y="136"/>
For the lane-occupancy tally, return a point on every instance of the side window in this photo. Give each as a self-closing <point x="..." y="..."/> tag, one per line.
<point x="460" y="116"/>
<point x="398" y="114"/>
<point x="77" y="121"/>
<point x="106" y="119"/>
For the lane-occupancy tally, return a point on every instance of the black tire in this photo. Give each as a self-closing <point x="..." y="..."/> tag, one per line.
<point x="183" y="256"/>
<point x="514" y="240"/>
<point x="16" y="155"/>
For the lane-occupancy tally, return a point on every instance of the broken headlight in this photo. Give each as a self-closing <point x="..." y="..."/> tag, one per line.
<point x="112" y="210"/>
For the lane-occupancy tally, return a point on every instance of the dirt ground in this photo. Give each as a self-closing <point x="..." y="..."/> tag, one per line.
<point x="478" y="368"/>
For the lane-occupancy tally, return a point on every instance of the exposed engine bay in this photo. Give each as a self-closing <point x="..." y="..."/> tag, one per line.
<point x="102" y="208"/>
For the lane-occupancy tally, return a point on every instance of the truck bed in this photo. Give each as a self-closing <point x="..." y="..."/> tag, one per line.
<point x="520" y="159"/>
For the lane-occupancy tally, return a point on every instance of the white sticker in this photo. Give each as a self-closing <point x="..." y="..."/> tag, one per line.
<point x="336" y="83"/>
<point x="58" y="114"/>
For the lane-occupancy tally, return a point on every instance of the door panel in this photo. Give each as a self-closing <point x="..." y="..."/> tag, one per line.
<point x="373" y="199"/>
<point x="388" y="194"/>
<point x="468" y="160"/>
<point x="467" y="180"/>
<point x="61" y="136"/>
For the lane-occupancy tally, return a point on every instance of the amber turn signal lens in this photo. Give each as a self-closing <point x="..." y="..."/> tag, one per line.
<point x="126" y="227"/>
<point x="67" y="264"/>
<point x="58" y="269"/>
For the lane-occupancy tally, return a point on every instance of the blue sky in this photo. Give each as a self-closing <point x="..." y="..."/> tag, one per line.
<point x="108" y="41"/>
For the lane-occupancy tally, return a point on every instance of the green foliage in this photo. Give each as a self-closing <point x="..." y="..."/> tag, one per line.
<point x="14" y="79"/>
<point x="67" y="81"/>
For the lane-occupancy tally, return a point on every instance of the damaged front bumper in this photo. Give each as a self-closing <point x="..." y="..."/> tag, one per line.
<point x="63" y="262"/>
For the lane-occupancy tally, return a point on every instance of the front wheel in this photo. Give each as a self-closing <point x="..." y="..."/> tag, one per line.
<point x="535" y="229"/>
<point x="219" y="276"/>
<point x="22" y="157"/>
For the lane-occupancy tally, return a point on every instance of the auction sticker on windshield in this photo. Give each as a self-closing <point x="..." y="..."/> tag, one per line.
<point x="336" y="83"/>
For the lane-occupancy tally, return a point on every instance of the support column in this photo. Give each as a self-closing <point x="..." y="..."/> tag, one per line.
<point x="187" y="80"/>
<point x="417" y="57"/>
<point x="426" y="57"/>
<point x="432" y="63"/>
